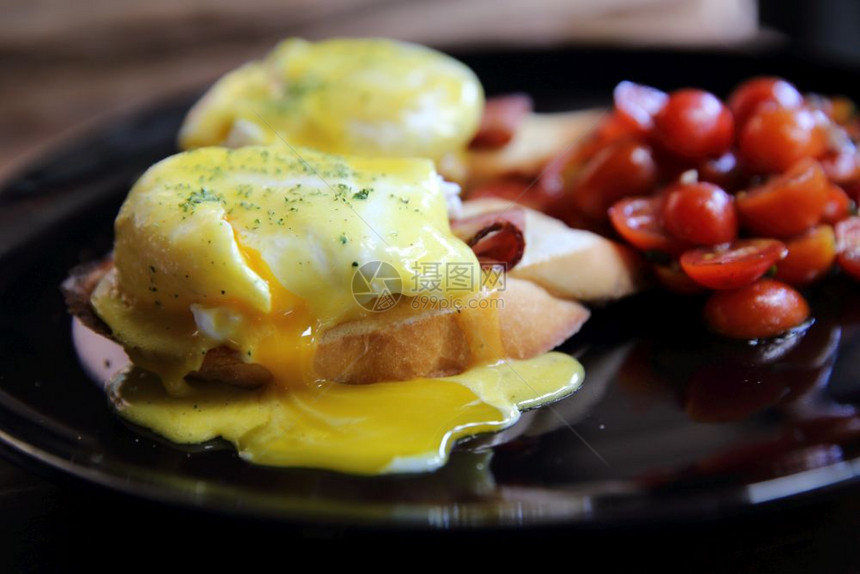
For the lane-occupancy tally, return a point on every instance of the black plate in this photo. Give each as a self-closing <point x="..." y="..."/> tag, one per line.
<point x="670" y="421"/>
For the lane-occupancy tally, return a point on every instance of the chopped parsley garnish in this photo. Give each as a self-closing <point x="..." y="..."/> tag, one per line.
<point x="202" y="195"/>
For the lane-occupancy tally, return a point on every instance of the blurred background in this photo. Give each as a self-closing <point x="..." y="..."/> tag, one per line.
<point x="65" y="65"/>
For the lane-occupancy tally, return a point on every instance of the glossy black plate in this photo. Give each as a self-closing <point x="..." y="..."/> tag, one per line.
<point x="670" y="422"/>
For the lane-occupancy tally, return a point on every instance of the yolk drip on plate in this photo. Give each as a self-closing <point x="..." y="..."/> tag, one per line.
<point x="402" y="426"/>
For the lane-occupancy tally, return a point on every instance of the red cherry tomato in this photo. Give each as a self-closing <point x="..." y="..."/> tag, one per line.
<point x="734" y="265"/>
<point x="751" y="94"/>
<point x="700" y="214"/>
<point x="638" y="104"/>
<point x="724" y="171"/>
<point x="614" y="127"/>
<point x="810" y="256"/>
<point x="838" y="205"/>
<point x="788" y="204"/>
<point x="502" y="116"/>
<point x="774" y="138"/>
<point x="848" y="245"/>
<point x="623" y="169"/>
<point x="694" y="124"/>
<point x="637" y="220"/>
<point x="760" y="310"/>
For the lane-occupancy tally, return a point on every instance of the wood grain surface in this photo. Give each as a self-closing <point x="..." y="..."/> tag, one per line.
<point x="66" y="64"/>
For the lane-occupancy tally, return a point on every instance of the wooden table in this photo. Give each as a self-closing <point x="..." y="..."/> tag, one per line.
<point x="65" y="65"/>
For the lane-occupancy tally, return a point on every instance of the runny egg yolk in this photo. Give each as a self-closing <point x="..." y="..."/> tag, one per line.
<point x="402" y="426"/>
<point x="352" y="96"/>
<point x="255" y="249"/>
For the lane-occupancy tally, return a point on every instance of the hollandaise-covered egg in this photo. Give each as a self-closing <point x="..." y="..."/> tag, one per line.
<point x="351" y="96"/>
<point x="256" y="249"/>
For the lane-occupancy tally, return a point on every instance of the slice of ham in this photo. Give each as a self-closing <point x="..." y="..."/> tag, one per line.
<point x="502" y="116"/>
<point x="496" y="237"/>
<point x="569" y="263"/>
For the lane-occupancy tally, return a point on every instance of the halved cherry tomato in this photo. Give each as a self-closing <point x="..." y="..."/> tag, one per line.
<point x="637" y="220"/>
<point x="694" y="124"/>
<point x="734" y="265"/>
<point x="673" y="278"/>
<point x="700" y="214"/>
<point x="775" y="138"/>
<point x="752" y="93"/>
<point x="638" y="104"/>
<point x="502" y="116"/>
<point x="810" y="256"/>
<point x="848" y="245"/>
<point x="760" y="310"/>
<point x="787" y="204"/>
<point x="623" y="169"/>
<point x="838" y="205"/>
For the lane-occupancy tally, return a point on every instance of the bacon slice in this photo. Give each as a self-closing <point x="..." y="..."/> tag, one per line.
<point x="78" y="288"/>
<point x="502" y="116"/>
<point x="496" y="237"/>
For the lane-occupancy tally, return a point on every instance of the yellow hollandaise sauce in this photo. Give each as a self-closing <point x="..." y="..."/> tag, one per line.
<point x="389" y="427"/>
<point x="352" y="96"/>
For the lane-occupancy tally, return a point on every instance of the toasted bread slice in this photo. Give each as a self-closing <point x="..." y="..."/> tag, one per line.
<point x="569" y="263"/>
<point x="537" y="140"/>
<point x="403" y="343"/>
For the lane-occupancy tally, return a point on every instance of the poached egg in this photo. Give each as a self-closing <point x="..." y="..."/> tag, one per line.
<point x="369" y="97"/>
<point x="256" y="249"/>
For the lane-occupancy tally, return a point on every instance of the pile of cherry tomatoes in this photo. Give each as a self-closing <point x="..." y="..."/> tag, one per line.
<point x="747" y="199"/>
